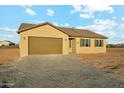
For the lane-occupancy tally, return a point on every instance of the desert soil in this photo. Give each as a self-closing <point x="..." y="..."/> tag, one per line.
<point x="85" y="70"/>
<point x="8" y="55"/>
<point x="55" y="71"/>
<point x="111" y="62"/>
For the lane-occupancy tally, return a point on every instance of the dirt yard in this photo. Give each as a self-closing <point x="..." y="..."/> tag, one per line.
<point x="55" y="71"/>
<point x="8" y="55"/>
<point x="111" y="62"/>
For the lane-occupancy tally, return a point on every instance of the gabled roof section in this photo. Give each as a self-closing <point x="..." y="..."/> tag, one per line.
<point x="72" y="32"/>
<point x="81" y="33"/>
<point x="24" y="26"/>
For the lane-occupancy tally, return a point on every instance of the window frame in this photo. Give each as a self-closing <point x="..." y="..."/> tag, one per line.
<point x="98" y="43"/>
<point x="85" y="42"/>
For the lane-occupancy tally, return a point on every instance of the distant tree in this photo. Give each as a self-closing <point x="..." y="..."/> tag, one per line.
<point x="115" y="46"/>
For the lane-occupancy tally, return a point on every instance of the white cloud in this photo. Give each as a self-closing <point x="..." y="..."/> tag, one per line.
<point x="87" y="11"/>
<point x="7" y="29"/>
<point x="122" y="37"/>
<point x="100" y="7"/>
<point x="108" y="28"/>
<point x="86" y="16"/>
<point x="30" y="11"/>
<point x="114" y="17"/>
<point x="101" y="26"/>
<point x="121" y="27"/>
<point x="123" y="18"/>
<point x="66" y="24"/>
<point x="36" y="21"/>
<point x="7" y="36"/>
<point x="8" y="33"/>
<point x="55" y="24"/>
<point x="50" y="12"/>
<point x="111" y="33"/>
<point x="26" y="6"/>
<point x="77" y="7"/>
<point x="106" y="23"/>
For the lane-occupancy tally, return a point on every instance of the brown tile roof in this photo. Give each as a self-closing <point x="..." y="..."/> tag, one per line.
<point x="81" y="33"/>
<point x="24" y="26"/>
<point x="72" y="32"/>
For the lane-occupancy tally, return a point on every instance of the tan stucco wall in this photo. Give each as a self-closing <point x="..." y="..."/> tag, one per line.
<point x="91" y="49"/>
<point x="42" y="31"/>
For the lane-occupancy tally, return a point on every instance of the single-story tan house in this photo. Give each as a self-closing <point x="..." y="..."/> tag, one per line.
<point x="46" y="38"/>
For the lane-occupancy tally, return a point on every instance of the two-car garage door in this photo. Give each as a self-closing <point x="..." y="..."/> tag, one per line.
<point x="44" y="45"/>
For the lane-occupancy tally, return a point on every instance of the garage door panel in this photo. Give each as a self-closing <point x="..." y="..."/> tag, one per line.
<point x="45" y="45"/>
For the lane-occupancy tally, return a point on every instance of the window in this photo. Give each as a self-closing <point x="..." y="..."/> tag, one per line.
<point x="84" y="42"/>
<point x="98" y="43"/>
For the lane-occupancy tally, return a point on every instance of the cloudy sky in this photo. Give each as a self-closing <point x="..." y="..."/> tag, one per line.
<point x="106" y="20"/>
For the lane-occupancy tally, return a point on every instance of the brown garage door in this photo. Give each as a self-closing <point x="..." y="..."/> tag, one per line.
<point x="44" y="45"/>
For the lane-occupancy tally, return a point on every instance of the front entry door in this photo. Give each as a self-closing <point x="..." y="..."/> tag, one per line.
<point x="70" y="45"/>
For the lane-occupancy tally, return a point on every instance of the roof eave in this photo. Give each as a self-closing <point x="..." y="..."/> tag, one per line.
<point x="89" y="37"/>
<point x="19" y="31"/>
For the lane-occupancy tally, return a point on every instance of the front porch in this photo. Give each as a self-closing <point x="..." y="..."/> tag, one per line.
<point x="72" y="45"/>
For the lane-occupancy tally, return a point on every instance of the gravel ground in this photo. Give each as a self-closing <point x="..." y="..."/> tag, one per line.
<point x="112" y="61"/>
<point x="52" y="71"/>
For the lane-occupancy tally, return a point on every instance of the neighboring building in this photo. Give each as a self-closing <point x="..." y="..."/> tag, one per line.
<point x="46" y="38"/>
<point x="6" y="43"/>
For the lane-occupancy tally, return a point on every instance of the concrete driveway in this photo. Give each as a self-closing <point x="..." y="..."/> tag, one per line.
<point x="51" y="71"/>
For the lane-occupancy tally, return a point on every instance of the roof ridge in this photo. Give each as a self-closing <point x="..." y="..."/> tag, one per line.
<point x="71" y="31"/>
<point x="80" y="29"/>
<point x="28" y="23"/>
<point x="74" y="28"/>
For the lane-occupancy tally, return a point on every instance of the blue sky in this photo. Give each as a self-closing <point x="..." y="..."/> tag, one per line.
<point x="106" y="20"/>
